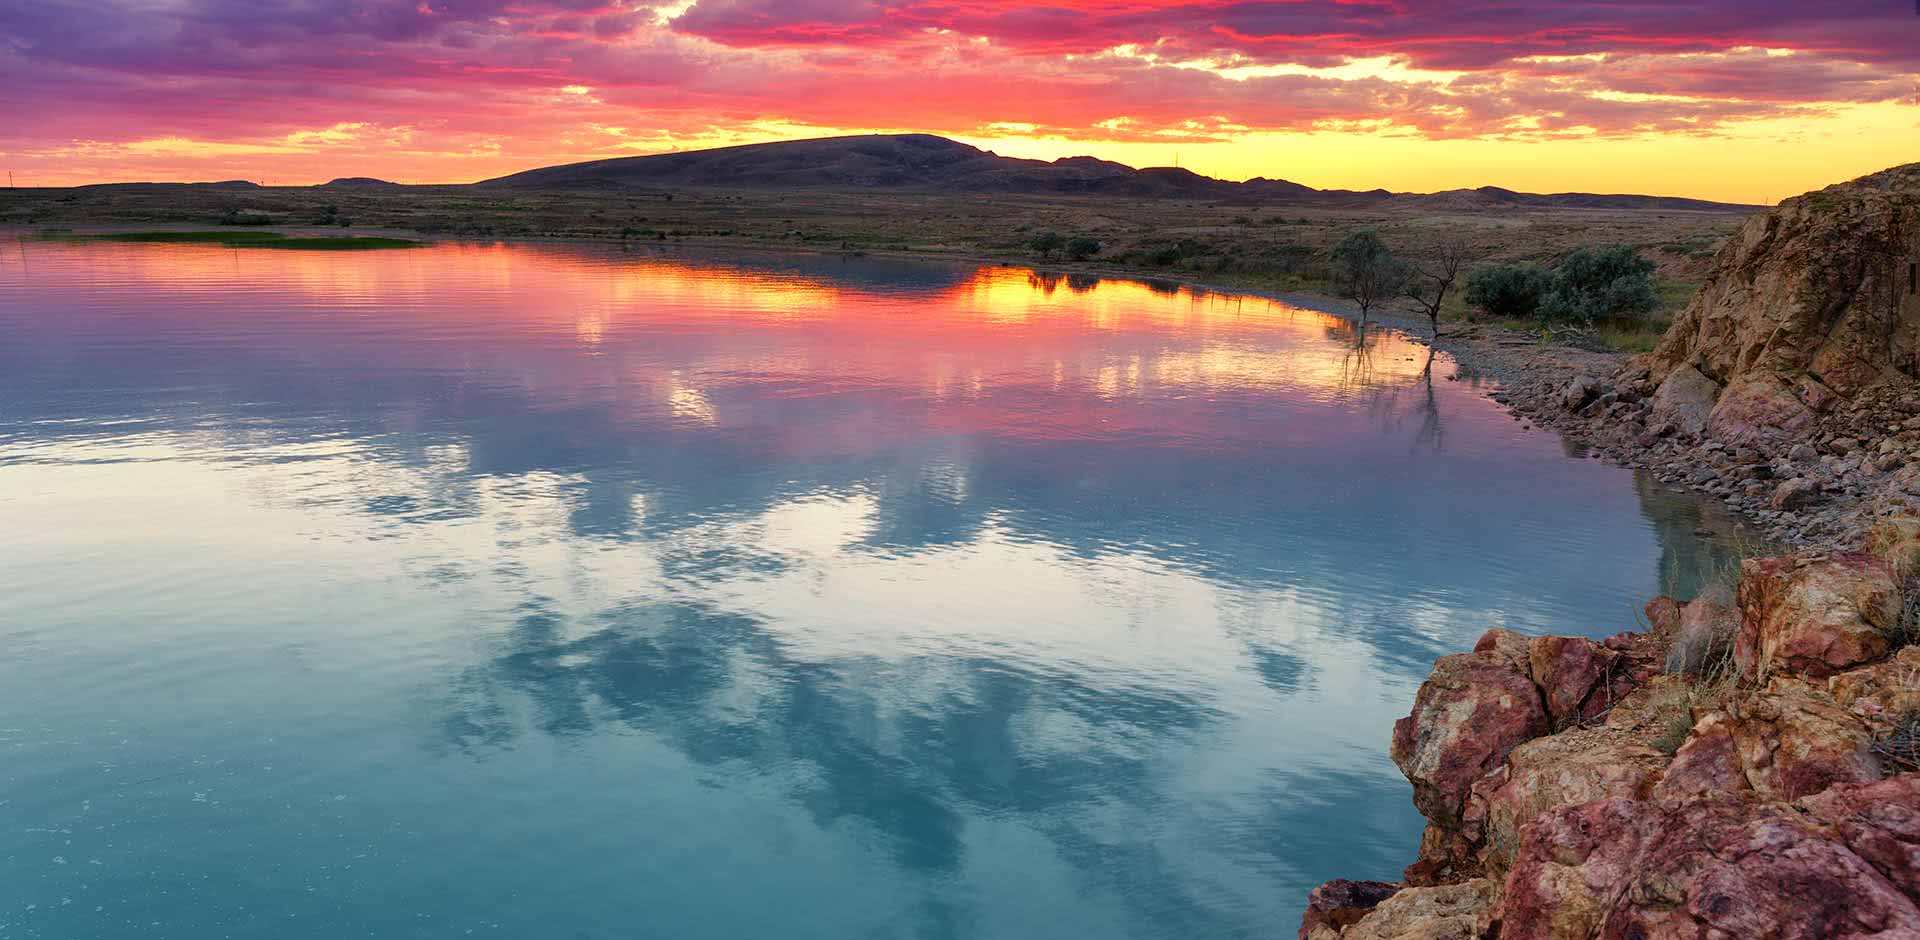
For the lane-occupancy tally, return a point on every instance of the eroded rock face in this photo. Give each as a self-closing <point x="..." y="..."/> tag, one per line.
<point x="1759" y="409"/>
<point x="1809" y="287"/>
<point x="1795" y="740"/>
<point x="1814" y="615"/>
<point x="1472" y="710"/>
<point x="1711" y="867"/>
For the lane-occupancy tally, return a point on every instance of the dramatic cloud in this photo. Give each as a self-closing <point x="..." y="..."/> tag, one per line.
<point x="106" y="87"/>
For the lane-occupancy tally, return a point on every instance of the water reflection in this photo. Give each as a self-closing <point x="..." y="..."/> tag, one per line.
<point x="925" y="600"/>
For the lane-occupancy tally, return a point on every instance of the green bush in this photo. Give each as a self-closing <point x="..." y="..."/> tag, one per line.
<point x="1598" y="284"/>
<point x="1080" y="247"/>
<point x="1511" y="291"/>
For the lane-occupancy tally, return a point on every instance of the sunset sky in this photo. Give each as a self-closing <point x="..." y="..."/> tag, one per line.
<point x="1745" y="100"/>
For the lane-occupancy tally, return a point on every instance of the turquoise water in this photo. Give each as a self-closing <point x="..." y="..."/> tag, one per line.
<point x="529" y="591"/>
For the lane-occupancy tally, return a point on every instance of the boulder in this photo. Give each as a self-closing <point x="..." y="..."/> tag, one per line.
<point x="1339" y="904"/>
<point x="1441" y="912"/>
<point x="1544" y="774"/>
<point x="1708" y="764"/>
<point x="1710" y="867"/>
<point x="1759" y="410"/>
<point x="1473" y="709"/>
<point x="1794" y="493"/>
<point x="1578" y="392"/>
<point x="1576" y="677"/>
<point x="1814" y="615"/>
<point x="1685" y="401"/>
<point x="1794" y="739"/>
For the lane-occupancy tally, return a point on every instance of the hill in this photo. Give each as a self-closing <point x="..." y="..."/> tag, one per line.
<point x="358" y="182"/>
<point x="925" y="162"/>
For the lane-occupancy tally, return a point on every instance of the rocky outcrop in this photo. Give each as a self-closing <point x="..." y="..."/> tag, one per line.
<point x="1575" y="792"/>
<point x="1814" y="289"/>
<point x="1472" y="710"/>
<point x="1790" y="385"/>
<point x="1815" y="615"/>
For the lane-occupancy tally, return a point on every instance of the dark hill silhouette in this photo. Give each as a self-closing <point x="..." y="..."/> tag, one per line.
<point x="359" y="182"/>
<point x="927" y="162"/>
<point x="161" y="187"/>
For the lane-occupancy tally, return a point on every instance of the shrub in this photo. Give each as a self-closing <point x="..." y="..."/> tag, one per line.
<point x="1600" y="283"/>
<point x="1508" y="290"/>
<point x="1080" y="248"/>
<point x="1046" y="243"/>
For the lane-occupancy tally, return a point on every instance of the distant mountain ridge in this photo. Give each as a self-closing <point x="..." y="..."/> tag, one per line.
<point x="931" y="163"/>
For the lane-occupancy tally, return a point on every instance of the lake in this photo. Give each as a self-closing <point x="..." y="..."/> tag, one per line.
<point x="583" y="592"/>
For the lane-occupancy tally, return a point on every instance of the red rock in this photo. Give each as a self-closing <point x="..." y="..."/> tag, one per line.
<point x="1758" y="410"/>
<point x="1472" y="710"/>
<point x="1574" y="675"/>
<point x="1663" y="616"/>
<point x="1789" y="295"/>
<point x="1882" y="693"/>
<point x="1713" y="867"/>
<point x="1879" y="821"/>
<point x="1794" y="493"/>
<point x="1795" y="740"/>
<point x="1707" y="764"/>
<point x="1814" y="615"/>
<point x="1547" y="773"/>
<point x="1340" y="903"/>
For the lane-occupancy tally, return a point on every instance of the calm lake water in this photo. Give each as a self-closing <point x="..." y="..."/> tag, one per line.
<point x="528" y="591"/>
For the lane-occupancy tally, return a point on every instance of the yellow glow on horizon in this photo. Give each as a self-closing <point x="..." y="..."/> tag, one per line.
<point x="1760" y="161"/>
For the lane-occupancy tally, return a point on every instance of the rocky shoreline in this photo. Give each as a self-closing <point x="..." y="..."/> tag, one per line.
<point x="1742" y="769"/>
<point x="1749" y="766"/>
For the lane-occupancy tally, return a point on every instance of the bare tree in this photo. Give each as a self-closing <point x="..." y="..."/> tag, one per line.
<point x="1432" y="280"/>
<point x="1368" y="273"/>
